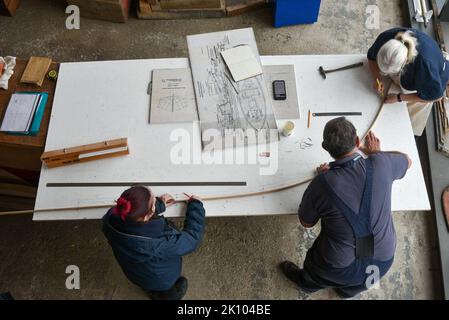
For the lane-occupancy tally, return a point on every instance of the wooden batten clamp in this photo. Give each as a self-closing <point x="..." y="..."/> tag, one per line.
<point x="85" y="153"/>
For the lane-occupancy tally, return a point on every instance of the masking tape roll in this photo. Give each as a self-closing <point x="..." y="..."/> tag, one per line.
<point x="288" y="129"/>
<point x="53" y="75"/>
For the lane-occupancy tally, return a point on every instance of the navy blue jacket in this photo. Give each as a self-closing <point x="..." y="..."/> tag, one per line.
<point x="428" y="74"/>
<point x="155" y="263"/>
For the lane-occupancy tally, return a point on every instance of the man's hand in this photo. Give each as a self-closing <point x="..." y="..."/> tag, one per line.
<point x="323" y="168"/>
<point x="371" y="144"/>
<point x="167" y="199"/>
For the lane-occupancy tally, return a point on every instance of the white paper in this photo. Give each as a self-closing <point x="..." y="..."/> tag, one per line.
<point x="241" y="62"/>
<point x="172" y="96"/>
<point x="289" y="108"/>
<point x="20" y="112"/>
<point x="237" y="109"/>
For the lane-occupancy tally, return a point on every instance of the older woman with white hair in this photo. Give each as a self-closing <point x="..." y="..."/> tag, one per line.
<point x="415" y="62"/>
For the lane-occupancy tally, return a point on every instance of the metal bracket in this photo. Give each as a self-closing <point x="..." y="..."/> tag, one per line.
<point x="422" y="14"/>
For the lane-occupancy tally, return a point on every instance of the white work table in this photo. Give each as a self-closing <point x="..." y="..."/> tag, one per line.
<point x="98" y="101"/>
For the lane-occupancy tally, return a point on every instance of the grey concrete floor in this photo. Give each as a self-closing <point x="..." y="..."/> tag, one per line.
<point x="238" y="257"/>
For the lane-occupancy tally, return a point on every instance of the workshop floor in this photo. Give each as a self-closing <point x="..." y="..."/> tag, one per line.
<point x="239" y="256"/>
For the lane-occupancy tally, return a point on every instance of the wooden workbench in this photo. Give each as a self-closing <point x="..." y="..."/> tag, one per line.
<point x="97" y="101"/>
<point x="23" y="152"/>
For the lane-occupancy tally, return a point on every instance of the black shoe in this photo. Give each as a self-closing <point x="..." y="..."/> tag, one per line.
<point x="296" y="275"/>
<point x="181" y="286"/>
<point x="6" y="296"/>
<point x="343" y="294"/>
<point x="177" y="292"/>
<point x="291" y="271"/>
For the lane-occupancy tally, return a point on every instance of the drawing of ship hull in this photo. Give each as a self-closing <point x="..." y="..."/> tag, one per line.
<point x="252" y="103"/>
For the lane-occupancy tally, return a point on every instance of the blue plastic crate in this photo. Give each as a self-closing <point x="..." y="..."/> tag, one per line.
<point x="289" y="12"/>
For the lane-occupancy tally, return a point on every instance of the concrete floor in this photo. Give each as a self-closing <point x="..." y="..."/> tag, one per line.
<point x="239" y="256"/>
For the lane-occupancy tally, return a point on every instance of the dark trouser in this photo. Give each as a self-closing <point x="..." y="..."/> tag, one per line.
<point x="348" y="281"/>
<point x="176" y="292"/>
<point x="6" y="296"/>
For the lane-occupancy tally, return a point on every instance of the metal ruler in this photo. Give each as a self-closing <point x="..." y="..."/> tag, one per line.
<point x="334" y="114"/>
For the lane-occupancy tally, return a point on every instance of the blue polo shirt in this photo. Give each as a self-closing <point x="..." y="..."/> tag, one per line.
<point x="335" y="245"/>
<point x="428" y="74"/>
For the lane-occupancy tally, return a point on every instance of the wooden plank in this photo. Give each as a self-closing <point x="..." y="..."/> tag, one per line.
<point x="156" y="5"/>
<point x="23" y="158"/>
<point x="64" y="162"/>
<point x="182" y="14"/>
<point x="85" y="153"/>
<point x="109" y="10"/>
<point x="17" y="190"/>
<point x="241" y="8"/>
<point x="15" y="86"/>
<point x="190" y="4"/>
<point x="445" y="199"/>
<point x="144" y="7"/>
<point x="6" y="176"/>
<point x="147" y="11"/>
<point x="93" y="147"/>
<point x="36" y="70"/>
<point x="16" y="203"/>
<point x="9" y="7"/>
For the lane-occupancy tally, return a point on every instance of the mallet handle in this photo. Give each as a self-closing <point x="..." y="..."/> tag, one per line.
<point x="355" y="65"/>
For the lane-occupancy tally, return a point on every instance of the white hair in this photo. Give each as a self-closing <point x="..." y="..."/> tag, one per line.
<point x="398" y="52"/>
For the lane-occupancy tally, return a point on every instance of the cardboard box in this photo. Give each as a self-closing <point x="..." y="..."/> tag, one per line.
<point x="8" y="7"/>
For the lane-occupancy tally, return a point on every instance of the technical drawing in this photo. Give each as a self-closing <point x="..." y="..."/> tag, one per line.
<point x="172" y="96"/>
<point x="223" y="104"/>
<point x="172" y="103"/>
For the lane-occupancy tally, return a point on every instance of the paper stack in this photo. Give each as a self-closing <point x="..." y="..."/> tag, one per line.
<point x="24" y="113"/>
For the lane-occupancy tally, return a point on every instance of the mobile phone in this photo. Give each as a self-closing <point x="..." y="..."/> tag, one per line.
<point x="279" y="90"/>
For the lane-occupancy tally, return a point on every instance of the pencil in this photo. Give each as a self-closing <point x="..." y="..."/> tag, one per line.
<point x="379" y="85"/>
<point x="310" y="119"/>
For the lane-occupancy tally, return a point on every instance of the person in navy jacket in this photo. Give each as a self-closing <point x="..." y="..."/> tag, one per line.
<point x="147" y="246"/>
<point x="415" y="62"/>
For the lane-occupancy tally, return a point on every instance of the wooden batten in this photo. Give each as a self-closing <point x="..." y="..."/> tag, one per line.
<point x="241" y="8"/>
<point x="190" y="4"/>
<point x="85" y="153"/>
<point x="175" y="9"/>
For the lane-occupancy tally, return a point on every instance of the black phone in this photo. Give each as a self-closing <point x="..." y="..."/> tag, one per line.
<point x="279" y="90"/>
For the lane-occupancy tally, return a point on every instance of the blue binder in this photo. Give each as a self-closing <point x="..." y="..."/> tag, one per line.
<point x="38" y="115"/>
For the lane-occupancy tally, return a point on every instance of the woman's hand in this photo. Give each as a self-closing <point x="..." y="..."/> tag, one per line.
<point x="375" y="73"/>
<point x="167" y="199"/>
<point x="391" y="98"/>
<point x="323" y="168"/>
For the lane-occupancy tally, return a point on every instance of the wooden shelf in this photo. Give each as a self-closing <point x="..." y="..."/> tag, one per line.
<point x="23" y="152"/>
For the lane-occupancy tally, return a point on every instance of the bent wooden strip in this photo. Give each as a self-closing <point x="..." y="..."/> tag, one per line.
<point x="205" y="198"/>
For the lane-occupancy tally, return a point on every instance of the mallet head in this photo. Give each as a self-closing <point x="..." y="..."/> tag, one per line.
<point x="322" y="72"/>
